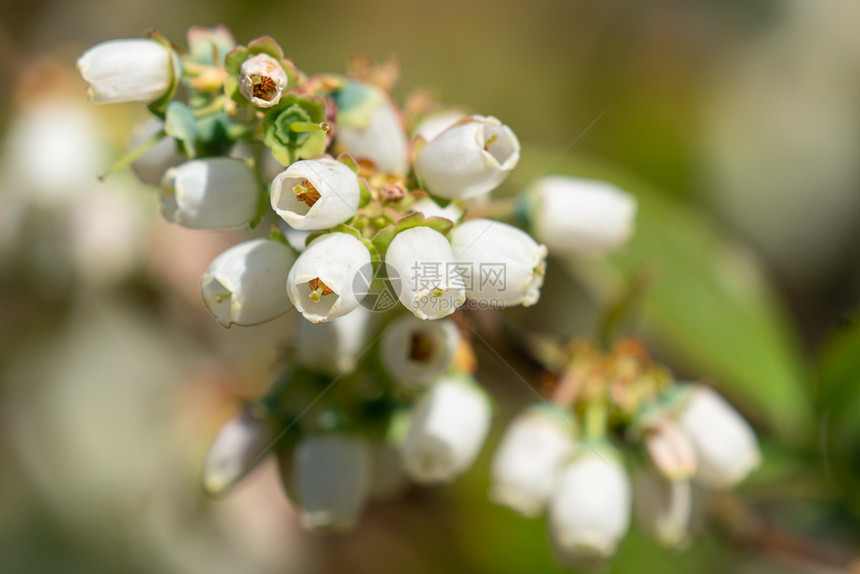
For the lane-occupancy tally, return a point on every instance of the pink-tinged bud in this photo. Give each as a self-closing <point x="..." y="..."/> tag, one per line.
<point x="671" y="451"/>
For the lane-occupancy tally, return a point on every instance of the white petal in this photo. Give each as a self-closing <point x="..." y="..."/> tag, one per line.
<point x="662" y="508"/>
<point x="590" y="509"/>
<point x="434" y="124"/>
<point x="726" y="446"/>
<point x="246" y="285"/>
<point x="502" y="265"/>
<point x="471" y="158"/>
<point x="126" y="71"/>
<point x="447" y="429"/>
<point x="213" y="193"/>
<point x="381" y="138"/>
<point x="334" y="347"/>
<point x="334" y="259"/>
<point x="418" y="352"/>
<point x="430" y="208"/>
<point x="428" y="282"/>
<point x="530" y="457"/>
<point x="574" y="216"/>
<point x="338" y="188"/>
<point x="240" y="445"/>
<point x="150" y="167"/>
<point x="332" y="474"/>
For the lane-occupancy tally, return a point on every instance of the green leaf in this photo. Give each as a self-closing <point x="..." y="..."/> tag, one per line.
<point x="710" y="307"/>
<point x="180" y="124"/>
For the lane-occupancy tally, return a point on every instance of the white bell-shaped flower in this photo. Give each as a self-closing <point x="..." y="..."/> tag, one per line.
<point x="240" y="445"/>
<point x="246" y="285"/>
<point x="468" y="159"/>
<point x="333" y="347"/>
<point x="428" y="279"/>
<point x="533" y="451"/>
<point x="151" y="166"/>
<point x="448" y="426"/>
<point x="500" y="264"/>
<point x="376" y="132"/>
<point x="575" y="216"/>
<point x="418" y="352"/>
<point x="321" y="282"/>
<point x="127" y="71"/>
<point x="315" y="194"/>
<point x="262" y="80"/>
<point x="726" y="446"/>
<point x="663" y="509"/>
<point x="332" y="480"/>
<point x="589" y="512"/>
<point x="429" y="208"/>
<point x="434" y="124"/>
<point x="212" y="193"/>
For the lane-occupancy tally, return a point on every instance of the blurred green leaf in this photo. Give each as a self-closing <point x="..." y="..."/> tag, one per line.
<point x="710" y="306"/>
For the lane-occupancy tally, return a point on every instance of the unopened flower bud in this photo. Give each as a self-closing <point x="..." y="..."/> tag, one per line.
<point x="530" y="458"/>
<point x="333" y="347"/>
<point x="418" y="352"/>
<point x="315" y="194"/>
<point x="519" y="262"/>
<point x="589" y="512"/>
<point x="332" y="479"/>
<point x="726" y="446"/>
<point x="241" y="444"/>
<point x="320" y="283"/>
<point x="212" y="193"/>
<point x="430" y="283"/>
<point x="670" y="451"/>
<point x="246" y="285"/>
<point x="127" y="71"/>
<point x="262" y="80"/>
<point x="468" y="159"/>
<point x="663" y="508"/>
<point x="370" y="127"/>
<point x="575" y="216"/>
<point x="447" y="428"/>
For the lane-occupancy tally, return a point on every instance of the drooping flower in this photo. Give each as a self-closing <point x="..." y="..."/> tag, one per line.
<point x="418" y="352"/>
<point x="240" y="445"/>
<point x="332" y="479"/>
<point x="430" y="284"/>
<point x="575" y="216"/>
<point x="530" y="458"/>
<point x="663" y="508"/>
<point x="448" y="426"/>
<point x="500" y="264"/>
<point x="468" y="159"/>
<point x="321" y="282"/>
<point x="316" y="194"/>
<point x="211" y="193"/>
<point x="246" y="285"/>
<point x="589" y="512"/>
<point x="127" y="71"/>
<point x="726" y="446"/>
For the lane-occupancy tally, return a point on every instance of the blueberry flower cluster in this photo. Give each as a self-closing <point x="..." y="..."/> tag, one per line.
<point x="380" y="240"/>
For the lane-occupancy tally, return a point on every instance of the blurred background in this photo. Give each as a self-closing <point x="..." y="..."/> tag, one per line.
<point x="736" y="124"/>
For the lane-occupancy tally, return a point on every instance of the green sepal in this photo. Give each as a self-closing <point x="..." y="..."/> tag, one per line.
<point x="180" y="124"/>
<point x="364" y="190"/>
<point x="263" y="193"/>
<point x="286" y="144"/>
<point x="383" y="239"/>
<point x="355" y="103"/>
<point x="159" y="106"/>
<point x="266" y="45"/>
